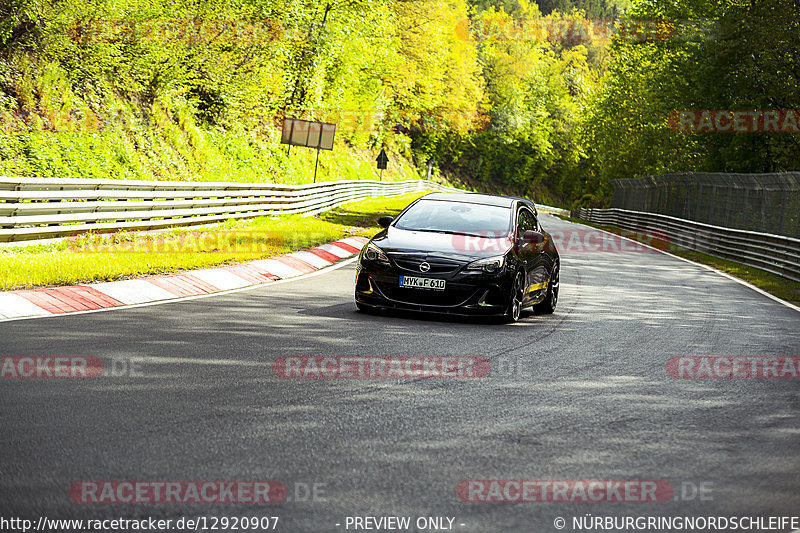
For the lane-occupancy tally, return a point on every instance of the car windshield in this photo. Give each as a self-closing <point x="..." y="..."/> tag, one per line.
<point x="457" y="217"/>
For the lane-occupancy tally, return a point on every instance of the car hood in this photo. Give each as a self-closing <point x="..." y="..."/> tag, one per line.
<point x="394" y="240"/>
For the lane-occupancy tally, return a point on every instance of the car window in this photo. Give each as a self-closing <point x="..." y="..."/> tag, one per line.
<point x="456" y="217"/>
<point x="526" y="222"/>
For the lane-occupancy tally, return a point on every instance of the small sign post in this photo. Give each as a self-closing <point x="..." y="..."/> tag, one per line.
<point x="382" y="160"/>
<point x="312" y="134"/>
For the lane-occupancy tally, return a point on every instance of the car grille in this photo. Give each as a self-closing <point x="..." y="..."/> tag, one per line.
<point x="438" y="265"/>
<point x="448" y="297"/>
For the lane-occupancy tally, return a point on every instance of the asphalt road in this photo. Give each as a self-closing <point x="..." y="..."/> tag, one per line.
<point x="579" y="395"/>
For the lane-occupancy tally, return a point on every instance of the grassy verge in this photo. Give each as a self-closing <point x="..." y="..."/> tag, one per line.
<point x="106" y="257"/>
<point x="783" y="288"/>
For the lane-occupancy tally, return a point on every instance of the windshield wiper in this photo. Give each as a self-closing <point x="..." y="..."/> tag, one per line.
<point x="449" y="232"/>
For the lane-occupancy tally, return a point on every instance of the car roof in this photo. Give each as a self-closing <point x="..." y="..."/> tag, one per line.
<point x="473" y="198"/>
<point x="525" y="201"/>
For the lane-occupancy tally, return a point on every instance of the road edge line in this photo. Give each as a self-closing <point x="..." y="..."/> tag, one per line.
<point x="707" y="267"/>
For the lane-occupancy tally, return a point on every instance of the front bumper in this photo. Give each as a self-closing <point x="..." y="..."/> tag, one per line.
<point x="464" y="294"/>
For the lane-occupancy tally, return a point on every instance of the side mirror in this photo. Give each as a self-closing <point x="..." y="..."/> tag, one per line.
<point x="531" y="237"/>
<point x="385" y="221"/>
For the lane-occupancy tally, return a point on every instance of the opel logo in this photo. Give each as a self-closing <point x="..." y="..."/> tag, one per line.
<point x="424" y="267"/>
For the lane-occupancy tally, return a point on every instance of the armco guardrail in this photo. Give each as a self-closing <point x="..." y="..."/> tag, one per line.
<point x="774" y="253"/>
<point x="39" y="208"/>
<point x="552" y="210"/>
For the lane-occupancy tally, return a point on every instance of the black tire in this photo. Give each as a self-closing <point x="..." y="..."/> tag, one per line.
<point x="548" y="305"/>
<point x="515" y="298"/>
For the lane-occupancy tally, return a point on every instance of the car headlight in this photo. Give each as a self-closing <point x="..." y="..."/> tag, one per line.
<point x="490" y="264"/>
<point x="373" y="253"/>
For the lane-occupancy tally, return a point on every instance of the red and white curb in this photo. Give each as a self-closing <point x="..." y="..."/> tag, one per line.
<point x="81" y="298"/>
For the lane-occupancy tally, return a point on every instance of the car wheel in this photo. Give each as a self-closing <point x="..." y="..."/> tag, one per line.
<point x="548" y="306"/>
<point x="515" y="298"/>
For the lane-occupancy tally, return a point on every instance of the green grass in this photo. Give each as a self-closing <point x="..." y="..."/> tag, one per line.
<point x="365" y="214"/>
<point x="106" y="257"/>
<point x="139" y="153"/>
<point x="164" y="140"/>
<point x="783" y="288"/>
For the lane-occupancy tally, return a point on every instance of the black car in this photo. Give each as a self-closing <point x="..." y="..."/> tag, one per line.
<point x="460" y="253"/>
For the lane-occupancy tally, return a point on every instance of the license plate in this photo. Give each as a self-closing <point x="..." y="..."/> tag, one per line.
<point x="421" y="283"/>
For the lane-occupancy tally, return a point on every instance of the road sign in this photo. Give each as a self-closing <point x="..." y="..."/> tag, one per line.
<point x="310" y="133"/>
<point x="382" y="159"/>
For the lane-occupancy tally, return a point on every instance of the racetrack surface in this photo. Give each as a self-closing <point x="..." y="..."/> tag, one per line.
<point x="579" y="395"/>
